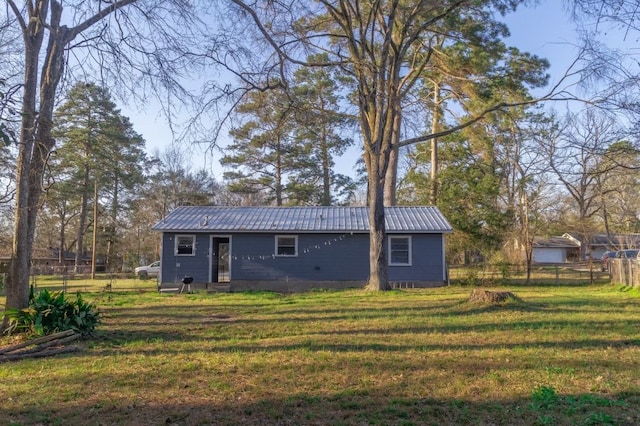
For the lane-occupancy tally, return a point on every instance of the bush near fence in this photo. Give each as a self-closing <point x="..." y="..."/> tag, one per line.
<point x="504" y="273"/>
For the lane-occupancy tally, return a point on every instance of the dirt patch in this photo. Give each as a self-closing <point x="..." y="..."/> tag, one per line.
<point x="492" y="297"/>
<point x="218" y="318"/>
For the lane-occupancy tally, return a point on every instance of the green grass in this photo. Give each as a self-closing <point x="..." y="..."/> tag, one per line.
<point x="557" y="356"/>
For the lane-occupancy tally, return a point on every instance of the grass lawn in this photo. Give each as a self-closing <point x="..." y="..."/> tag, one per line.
<point x="559" y="356"/>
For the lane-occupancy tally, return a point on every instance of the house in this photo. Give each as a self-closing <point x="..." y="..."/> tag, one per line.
<point x="604" y="242"/>
<point x="297" y="248"/>
<point x="46" y="261"/>
<point x="569" y="247"/>
<point x="555" y="249"/>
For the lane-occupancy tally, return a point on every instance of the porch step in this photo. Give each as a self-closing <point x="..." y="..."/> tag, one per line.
<point x="219" y="288"/>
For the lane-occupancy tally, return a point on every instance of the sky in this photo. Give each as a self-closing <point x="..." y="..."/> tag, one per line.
<point x="543" y="30"/>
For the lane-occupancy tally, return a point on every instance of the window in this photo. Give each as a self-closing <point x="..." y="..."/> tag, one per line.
<point x="185" y="245"/>
<point x="286" y="245"/>
<point x="400" y="251"/>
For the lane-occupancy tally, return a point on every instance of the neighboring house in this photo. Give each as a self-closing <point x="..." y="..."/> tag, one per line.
<point x="603" y="242"/>
<point x="567" y="248"/>
<point x="298" y="248"/>
<point x="46" y="261"/>
<point x="555" y="250"/>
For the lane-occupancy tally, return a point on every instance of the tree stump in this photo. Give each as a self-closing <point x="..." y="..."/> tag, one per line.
<point x="486" y="296"/>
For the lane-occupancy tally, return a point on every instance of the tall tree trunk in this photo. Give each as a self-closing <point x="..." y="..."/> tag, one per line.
<point x="35" y="141"/>
<point x="435" y="124"/>
<point x="63" y="229"/>
<point x="278" y="175"/>
<point x="391" y="180"/>
<point x="377" y="159"/>
<point x="82" y="220"/>
<point x="114" y="216"/>
<point x="94" y="244"/>
<point x="326" y="167"/>
<point x="378" y="274"/>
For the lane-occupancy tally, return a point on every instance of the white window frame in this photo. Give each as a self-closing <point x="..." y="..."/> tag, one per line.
<point x="193" y="244"/>
<point x="295" y="245"/>
<point x="410" y="245"/>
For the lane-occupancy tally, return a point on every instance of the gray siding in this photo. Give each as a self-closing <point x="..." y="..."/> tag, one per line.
<point x="174" y="268"/>
<point x="321" y="257"/>
<point x="427" y="261"/>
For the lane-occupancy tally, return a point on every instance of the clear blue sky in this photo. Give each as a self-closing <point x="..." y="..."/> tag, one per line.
<point x="543" y="30"/>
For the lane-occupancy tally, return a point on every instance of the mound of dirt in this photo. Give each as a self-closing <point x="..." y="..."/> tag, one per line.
<point x="493" y="297"/>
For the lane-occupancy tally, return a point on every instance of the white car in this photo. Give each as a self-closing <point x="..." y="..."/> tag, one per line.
<point x="150" y="270"/>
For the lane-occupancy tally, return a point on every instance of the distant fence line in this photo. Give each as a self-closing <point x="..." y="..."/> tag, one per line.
<point x="621" y="271"/>
<point x="561" y="273"/>
<point x="70" y="270"/>
<point x="625" y="272"/>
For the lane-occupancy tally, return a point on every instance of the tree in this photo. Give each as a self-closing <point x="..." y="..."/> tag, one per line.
<point x="385" y="47"/>
<point x="100" y="154"/>
<point x="610" y="71"/>
<point x="135" y="53"/>
<point x="60" y="209"/>
<point x="618" y="185"/>
<point x="469" y="193"/>
<point x="575" y="155"/>
<point x="453" y="84"/>
<point x="264" y="152"/>
<point x="319" y="124"/>
<point x="169" y="183"/>
<point x="528" y="186"/>
<point x="81" y="124"/>
<point x="120" y="179"/>
<point x="470" y="69"/>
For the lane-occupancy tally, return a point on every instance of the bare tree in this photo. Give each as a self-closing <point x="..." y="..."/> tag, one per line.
<point x="576" y="153"/>
<point x="132" y="42"/>
<point x="528" y="188"/>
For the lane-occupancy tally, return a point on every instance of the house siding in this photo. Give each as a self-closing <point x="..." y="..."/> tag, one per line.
<point x="174" y="268"/>
<point x="321" y="259"/>
<point x="427" y="260"/>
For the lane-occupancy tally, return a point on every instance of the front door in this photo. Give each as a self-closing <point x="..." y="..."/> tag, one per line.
<point x="224" y="273"/>
<point x="221" y="259"/>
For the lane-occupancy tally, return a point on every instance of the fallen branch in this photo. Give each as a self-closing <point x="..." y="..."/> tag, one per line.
<point x="52" y="344"/>
<point x="41" y="354"/>
<point x="37" y="341"/>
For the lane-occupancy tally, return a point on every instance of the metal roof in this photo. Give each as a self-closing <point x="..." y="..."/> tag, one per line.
<point x="554" y="242"/>
<point x="300" y="219"/>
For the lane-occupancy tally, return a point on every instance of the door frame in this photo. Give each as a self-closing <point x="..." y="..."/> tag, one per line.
<point x="212" y="252"/>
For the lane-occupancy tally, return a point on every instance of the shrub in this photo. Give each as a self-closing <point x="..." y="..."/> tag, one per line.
<point x="471" y="278"/>
<point x="52" y="312"/>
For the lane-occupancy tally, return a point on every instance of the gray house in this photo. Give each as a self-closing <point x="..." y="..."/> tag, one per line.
<point x="297" y="248"/>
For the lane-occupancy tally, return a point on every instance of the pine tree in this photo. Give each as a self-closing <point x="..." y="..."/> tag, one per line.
<point x="100" y="153"/>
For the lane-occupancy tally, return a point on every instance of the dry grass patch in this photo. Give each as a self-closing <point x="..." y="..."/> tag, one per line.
<point x="562" y="356"/>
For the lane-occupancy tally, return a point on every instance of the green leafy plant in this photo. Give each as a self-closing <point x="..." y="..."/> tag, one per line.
<point x="52" y="312"/>
<point x="545" y="397"/>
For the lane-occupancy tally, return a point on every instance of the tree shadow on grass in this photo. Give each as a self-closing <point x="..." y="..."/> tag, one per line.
<point x="376" y="406"/>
